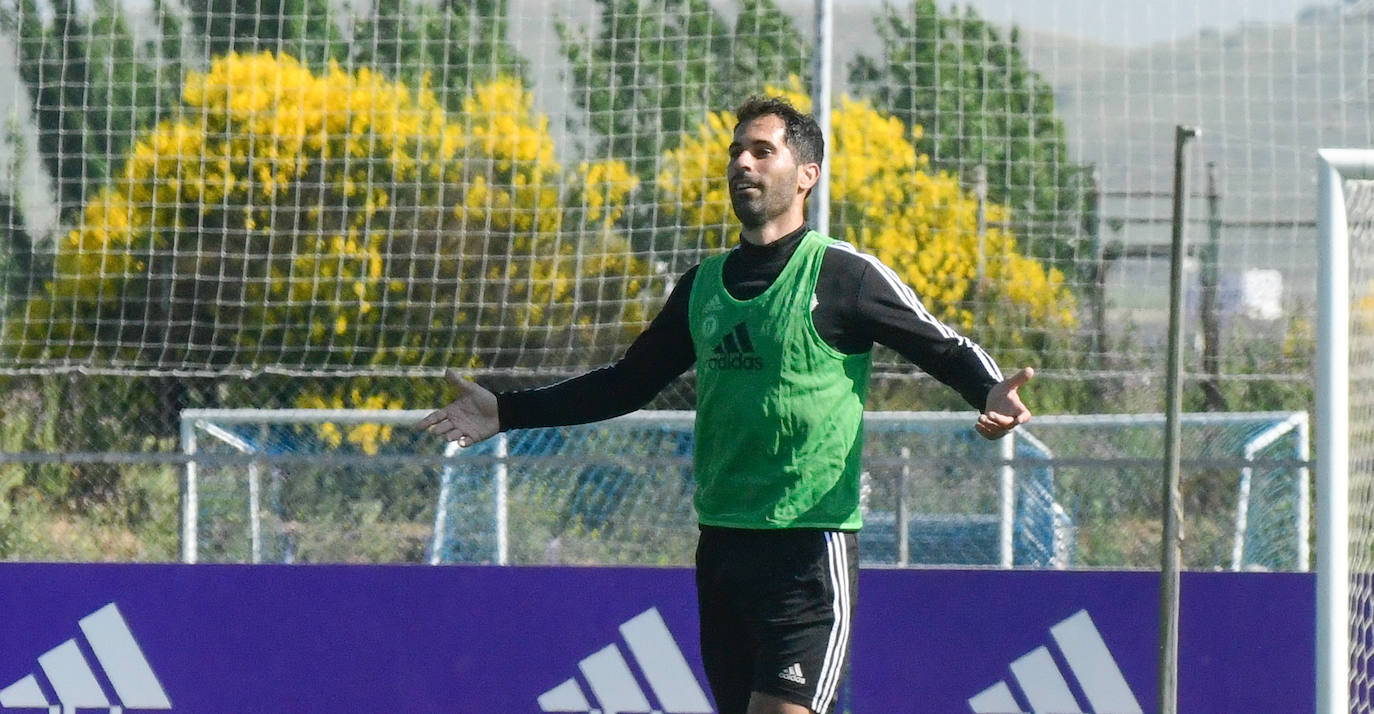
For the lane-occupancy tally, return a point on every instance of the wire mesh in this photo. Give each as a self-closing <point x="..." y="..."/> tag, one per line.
<point x="228" y="189"/>
<point x="1074" y="492"/>
<point x="1359" y="201"/>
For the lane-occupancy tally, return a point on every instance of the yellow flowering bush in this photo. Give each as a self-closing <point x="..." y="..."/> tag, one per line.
<point x="886" y="201"/>
<point x="366" y="437"/>
<point x="284" y="218"/>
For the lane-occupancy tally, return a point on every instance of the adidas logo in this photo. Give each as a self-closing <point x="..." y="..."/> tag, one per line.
<point x="616" y="688"/>
<point x="793" y="674"/>
<point x="736" y="351"/>
<point x="1043" y="684"/>
<point x="76" y="685"/>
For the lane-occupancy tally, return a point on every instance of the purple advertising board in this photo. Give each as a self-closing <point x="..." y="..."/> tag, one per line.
<point x="207" y="639"/>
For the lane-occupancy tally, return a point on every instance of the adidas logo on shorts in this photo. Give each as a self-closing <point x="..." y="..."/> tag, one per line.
<point x="793" y="674"/>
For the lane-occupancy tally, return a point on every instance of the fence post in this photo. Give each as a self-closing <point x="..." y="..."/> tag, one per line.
<point x="1242" y="513"/>
<point x="439" y="542"/>
<point x="1093" y="222"/>
<point x="1304" y="509"/>
<point x="1006" y="539"/>
<point x="189" y="502"/>
<point x="1172" y="555"/>
<point x="500" y="477"/>
<point x="255" y="500"/>
<point x="903" y="516"/>
<point x="1211" y="320"/>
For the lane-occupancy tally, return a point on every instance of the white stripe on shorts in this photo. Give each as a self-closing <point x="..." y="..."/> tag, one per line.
<point x="836" y="648"/>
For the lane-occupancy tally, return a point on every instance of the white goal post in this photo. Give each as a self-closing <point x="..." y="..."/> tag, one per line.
<point x="1338" y="469"/>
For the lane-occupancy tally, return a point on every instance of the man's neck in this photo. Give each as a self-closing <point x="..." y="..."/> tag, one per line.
<point x="774" y="230"/>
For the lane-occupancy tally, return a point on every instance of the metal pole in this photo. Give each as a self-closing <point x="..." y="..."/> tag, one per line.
<point x="255" y="512"/>
<point x="820" y="106"/>
<point x="438" y="544"/>
<point x="1333" y="440"/>
<point x="1303" y="516"/>
<point x="1211" y="321"/>
<point x="1092" y="220"/>
<point x="1007" y="533"/>
<point x="1247" y="474"/>
<point x="1173" y="502"/>
<point x="189" y="501"/>
<point x="501" y="479"/>
<point x="255" y="500"/>
<point x="903" y="516"/>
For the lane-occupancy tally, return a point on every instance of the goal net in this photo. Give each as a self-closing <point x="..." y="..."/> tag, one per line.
<point x="1345" y="433"/>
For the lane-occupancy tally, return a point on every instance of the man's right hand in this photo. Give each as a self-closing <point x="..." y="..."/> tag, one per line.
<point x="470" y="418"/>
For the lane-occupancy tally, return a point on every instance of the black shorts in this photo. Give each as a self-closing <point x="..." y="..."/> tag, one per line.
<point x="775" y="612"/>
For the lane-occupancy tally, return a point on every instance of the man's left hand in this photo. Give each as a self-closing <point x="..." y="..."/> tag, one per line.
<point x="1004" y="410"/>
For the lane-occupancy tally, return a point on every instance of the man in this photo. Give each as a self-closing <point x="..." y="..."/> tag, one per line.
<point x="781" y="331"/>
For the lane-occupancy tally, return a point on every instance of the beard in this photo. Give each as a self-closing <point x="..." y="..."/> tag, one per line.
<point x="772" y="200"/>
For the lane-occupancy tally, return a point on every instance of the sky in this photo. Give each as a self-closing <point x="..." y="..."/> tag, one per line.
<point x="1131" y="23"/>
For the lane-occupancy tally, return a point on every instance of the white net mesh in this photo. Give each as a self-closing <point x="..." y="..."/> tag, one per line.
<point x="258" y="203"/>
<point x="509" y="186"/>
<point x="1360" y="215"/>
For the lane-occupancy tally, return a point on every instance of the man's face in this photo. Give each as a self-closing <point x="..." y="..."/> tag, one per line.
<point x="763" y="172"/>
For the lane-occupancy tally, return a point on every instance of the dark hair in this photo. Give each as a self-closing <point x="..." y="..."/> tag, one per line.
<point x="803" y="134"/>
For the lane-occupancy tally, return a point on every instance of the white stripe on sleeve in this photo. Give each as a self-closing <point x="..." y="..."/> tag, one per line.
<point x="908" y="297"/>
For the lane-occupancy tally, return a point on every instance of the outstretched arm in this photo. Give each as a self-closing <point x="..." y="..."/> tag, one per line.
<point x="887" y="311"/>
<point x="660" y="353"/>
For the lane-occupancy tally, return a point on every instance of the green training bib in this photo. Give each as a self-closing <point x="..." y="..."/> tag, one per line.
<point x="779" y="421"/>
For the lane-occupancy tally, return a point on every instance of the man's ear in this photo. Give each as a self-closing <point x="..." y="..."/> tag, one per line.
<point x="807" y="176"/>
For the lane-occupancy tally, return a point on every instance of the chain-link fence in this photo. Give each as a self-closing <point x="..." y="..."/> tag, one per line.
<point x="1066" y="492"/>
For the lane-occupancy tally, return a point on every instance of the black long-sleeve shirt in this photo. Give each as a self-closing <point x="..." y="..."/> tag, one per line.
<point x="859" y="302"/>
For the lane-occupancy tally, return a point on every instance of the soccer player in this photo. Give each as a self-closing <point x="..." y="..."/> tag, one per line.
<point x="781" y="330"/>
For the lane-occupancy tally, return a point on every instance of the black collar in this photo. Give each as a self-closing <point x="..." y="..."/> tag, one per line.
<point x="785" y="244"/>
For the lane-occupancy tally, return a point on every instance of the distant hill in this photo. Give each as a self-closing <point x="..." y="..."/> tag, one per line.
<point x="1266" y="97"/>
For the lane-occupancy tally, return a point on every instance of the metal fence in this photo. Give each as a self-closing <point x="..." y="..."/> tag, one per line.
<point x="1063" y="492"/>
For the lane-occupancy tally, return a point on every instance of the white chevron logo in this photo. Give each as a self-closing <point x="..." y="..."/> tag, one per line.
<point x="74" y="682"/>
<point x="1045" y="689"/>
<point x="614" y="686"/>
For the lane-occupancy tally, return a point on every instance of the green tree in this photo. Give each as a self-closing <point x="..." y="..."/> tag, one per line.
<point x="305" y="29"/>
<point x="92" y="86"/>
<point x="653" y="70"/>
<point x="980" y="104"/>
<point x="451" y="46"/>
